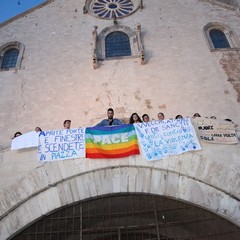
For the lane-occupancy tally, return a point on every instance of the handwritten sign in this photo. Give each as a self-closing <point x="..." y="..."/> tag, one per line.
<point x="215" y="131"/>
<point x="168" y="137"/>
<point x="61" y="144"/>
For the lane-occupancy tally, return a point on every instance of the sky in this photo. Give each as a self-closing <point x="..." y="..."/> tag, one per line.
<point x="11" y="8"/>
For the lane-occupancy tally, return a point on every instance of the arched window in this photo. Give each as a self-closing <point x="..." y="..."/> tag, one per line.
<point x="10" y="58"/>
<point x="117" y="44"/>
<point x="219" y="39"/>
<point x="11" y="55"/>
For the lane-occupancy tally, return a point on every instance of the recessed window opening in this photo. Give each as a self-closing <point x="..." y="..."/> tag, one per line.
<point x="219" y="39"/>
<point x="10" y="59"/>
<point x="112" y="6"/>
<point x="117" y="44"/>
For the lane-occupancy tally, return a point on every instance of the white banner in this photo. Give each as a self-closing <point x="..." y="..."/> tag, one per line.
<point x="61" y="144"/>
<point x="26" y="140"/>
<point x="159" y="139"/>
<point x="215" y="130"/>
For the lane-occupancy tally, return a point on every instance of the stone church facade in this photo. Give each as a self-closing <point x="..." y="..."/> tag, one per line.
<point x="60" y="61"/>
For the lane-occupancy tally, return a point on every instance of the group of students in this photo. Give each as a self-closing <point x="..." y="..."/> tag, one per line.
<point x="110" y="121"/>
<point x="135" y="118"/>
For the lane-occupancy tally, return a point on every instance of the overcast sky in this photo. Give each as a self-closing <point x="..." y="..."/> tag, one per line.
<point x="11" y="8"/>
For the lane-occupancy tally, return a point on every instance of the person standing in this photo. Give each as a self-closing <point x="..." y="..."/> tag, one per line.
<point x="67" y="124"/>
<point x="110" y="121"/>
<point x="145" y="118"/>
<point x="161" y="116"/>
<point x="135" y="118"/>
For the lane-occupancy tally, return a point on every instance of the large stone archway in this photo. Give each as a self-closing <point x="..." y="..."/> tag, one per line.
<point x="52" y="186"/>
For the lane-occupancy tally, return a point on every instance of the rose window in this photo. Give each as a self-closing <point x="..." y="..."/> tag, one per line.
<point x="112" y="9"/>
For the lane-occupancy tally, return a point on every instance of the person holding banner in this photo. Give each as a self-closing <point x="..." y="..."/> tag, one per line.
<point x="135" y="118"/>
<point x="178" y="117"/>
<point x="195" y="115"/>
<point x="17" y="134"/>
<point x="161" y="116"/>
<point x="145" y="118"/>
<point x="67" y="124"/>
<point x="38" y="129"/>
<point x="110" y="121"/>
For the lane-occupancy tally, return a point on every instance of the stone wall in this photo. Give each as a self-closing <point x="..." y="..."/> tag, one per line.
<point x="57" y="81"/>
<point x="208" y="178"/>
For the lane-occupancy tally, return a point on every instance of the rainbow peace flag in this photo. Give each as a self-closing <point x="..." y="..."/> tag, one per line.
<point x="111" y="142"/>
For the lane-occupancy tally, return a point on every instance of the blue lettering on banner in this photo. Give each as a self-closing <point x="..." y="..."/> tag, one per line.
<point x="158" y="143"/>
<point x="179" y="138"/>
<point x="168" y="137"/>
<point x="165" y="124"/>
<point x="43" y="157"/>
<point x="149" y="124"/>
<point x="42" y="133"/>
<point x="63" y="132"/>
<point x="56" y="147"/>
<point x="62" y="144"/>
<point x="64" y="154"/>
<point x="68" y="138"/>
<point x="46" y="140"/>
<point x="174" y="132"/>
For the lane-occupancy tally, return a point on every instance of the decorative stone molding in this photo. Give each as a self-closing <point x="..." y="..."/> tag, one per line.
<point x="135" y="40"/>
<point x="138" y="32"/>
<point x="232" y="39"/>
<point x="12" y="45"/>
<point x="85" y="10"/>
<point x="95" y="37"/>
<point x="108" y="9"/>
